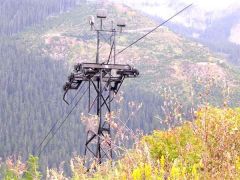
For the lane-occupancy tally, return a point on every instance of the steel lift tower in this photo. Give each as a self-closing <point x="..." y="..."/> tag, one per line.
<point x="104" y="80"/>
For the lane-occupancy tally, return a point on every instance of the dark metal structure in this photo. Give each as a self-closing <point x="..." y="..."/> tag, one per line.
<point x="104" y="80"/>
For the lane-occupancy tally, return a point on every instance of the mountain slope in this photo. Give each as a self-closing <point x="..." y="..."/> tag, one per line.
<point x="215" y="25"/>
<point x="16" y="15"/>
<point x="174" y="71"/>
<point x="164" y="58"/>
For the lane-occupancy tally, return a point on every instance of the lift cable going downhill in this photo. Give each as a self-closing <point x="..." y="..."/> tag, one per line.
<point x="42" y="148"/>
<point x="54" y="125"/>
<point x="154" y="29"/>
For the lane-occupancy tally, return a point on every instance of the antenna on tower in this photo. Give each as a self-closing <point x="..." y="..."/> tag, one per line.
<point x="101" y="14"/>
<point x="121" y="24"/>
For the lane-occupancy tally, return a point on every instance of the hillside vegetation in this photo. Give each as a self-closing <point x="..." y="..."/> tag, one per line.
<point x="17" y="15"/>
<point x="207" y="148"/>
<point x="163" y="58"/>
<point x="177" y="76"/>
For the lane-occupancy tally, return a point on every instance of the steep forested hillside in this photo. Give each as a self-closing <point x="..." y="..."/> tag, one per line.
<point x="31" y="83"/>
<point x="217" y="35"/>
<point x="15" y="15"/>
<point x="176" y="75"/>
<point x="215" y="26"/>
<point x="165" y="59"/>
<point x="31" y="101"/>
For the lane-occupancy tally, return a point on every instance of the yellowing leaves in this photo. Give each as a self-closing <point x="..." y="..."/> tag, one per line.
<point x="207" y="148"/>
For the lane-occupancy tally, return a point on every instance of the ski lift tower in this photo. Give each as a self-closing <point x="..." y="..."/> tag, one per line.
<point x="104" y="79"/>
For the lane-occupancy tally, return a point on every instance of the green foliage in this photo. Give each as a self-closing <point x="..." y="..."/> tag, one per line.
<point x="31" y="84"/>
<point x="31" y="101"/>
<point x="16" y="15"/>
<point x="143" y="171"/>
<point x="10" y="175"/>
<point x="32" y="169"/>
<point x="16" y="170"/>
<point x="207" y="148"/>
<point x="172" y="144"/>
<point x="204" y="148"/>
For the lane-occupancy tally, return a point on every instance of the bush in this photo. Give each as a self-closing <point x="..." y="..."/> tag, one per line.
<point x="207" y="148"/>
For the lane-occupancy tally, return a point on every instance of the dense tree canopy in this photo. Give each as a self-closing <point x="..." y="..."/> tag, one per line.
<point x="15" y="15"/>
<point x="31" y="92"/>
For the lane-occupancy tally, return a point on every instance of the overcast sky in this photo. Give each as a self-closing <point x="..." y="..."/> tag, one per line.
<point x="214" y="4"/>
